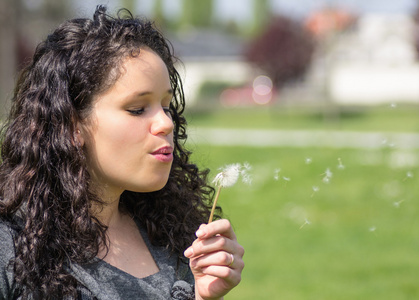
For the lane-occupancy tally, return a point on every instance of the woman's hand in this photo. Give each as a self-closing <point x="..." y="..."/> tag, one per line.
<point x="216" y="260"/>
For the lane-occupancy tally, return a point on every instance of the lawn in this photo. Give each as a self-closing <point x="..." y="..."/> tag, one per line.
<point x="351" y="235"/>
<point x="384" y="118"/>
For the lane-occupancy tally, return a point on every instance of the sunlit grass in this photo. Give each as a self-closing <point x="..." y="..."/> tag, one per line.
<point x="354" y="238"/>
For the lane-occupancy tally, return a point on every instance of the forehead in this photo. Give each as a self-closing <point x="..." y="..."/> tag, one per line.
<point x="146" y="70"/>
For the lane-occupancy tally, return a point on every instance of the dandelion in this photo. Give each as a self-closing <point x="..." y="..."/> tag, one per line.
<point x="393" y="105"/>
<point x="341" y="166"/>
<point x="327" y="176"/>
<point x="226" y="178"/>
<point x="308" y="160"/>
<point x="315" y="190"/>
<point x="372" y="229"/>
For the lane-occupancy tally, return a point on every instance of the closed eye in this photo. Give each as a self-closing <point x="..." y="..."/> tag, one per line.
<point x="136" y="112"/>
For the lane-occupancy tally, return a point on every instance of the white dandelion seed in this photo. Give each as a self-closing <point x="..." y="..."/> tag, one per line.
<point x="308" y="160"/>
<point x="372" y="229"/>
<point x="276" y="174"/>
<point x="244" y="172"/>
<point x="397" y="203"/>
<point x="393" y="105"/>
<point x="327" y="176"/>
<point x="315" y="190"/>
<point x="286" y="179"/>
<point x="408" y="175"/>
<point x="306" y="222"/>
<point x="341" y="166"/>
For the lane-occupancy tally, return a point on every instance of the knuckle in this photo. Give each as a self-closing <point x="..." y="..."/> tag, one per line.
<point x="237" y="280"/>
<point x="221" y="242"/>
<point x="226" y="273"/>
<point x="227" y="258"/>
<point x="241" y="251"/>
<point x="226" y="223"/>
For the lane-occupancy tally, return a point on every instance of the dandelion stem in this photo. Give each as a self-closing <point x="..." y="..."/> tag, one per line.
<point x="214" y="204"/>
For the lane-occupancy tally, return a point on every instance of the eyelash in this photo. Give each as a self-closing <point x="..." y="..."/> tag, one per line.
<point x="138" y="112"/>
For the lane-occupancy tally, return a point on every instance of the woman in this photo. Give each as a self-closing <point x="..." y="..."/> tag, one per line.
<point x="98" y="199"/>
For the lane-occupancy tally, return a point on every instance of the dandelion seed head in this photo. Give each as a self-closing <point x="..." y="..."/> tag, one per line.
<point x="228" y="176"/>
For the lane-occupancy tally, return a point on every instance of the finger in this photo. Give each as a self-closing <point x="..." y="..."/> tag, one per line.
<point x="229" y="275"/>
<point x="220" y="258"/>
<point x="220" y="227"/>
<point x="212" y="244"/>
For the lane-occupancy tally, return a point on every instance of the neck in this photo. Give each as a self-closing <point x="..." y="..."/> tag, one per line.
<point x="108" y="213"/>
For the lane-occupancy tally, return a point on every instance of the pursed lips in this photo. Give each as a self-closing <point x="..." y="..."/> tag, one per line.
<point x="163" y="154"/>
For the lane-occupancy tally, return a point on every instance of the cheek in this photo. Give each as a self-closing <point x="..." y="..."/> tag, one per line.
<point x="115" y="136"/>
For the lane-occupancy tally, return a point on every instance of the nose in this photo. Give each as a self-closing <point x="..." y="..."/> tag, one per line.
<point x="162" y="123"/>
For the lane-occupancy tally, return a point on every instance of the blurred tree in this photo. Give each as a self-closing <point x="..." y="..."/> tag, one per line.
<point x="9" y="12"/>
<point x="416" y="31"/>
<point x="197" y="13"/>
<point x="158" y="14"/>
<point x="261" y="14"/>
<point x="128" y="4"/>
<point x="22" y="25"/>
<point x="284" y="50"/>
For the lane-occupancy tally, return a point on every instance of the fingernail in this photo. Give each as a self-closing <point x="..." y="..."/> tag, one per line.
<point x="200" y="233"/>
<point x="188" y="252"/>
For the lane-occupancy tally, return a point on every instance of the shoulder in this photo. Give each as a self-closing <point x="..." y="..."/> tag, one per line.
<point x="7" y="250"/>
<point x="7" y="234"/>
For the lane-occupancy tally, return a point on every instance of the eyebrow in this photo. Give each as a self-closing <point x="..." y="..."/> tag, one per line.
<point x="169" y="91"/>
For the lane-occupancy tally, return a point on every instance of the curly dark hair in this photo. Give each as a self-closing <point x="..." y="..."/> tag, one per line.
<point x="44" y="181"/>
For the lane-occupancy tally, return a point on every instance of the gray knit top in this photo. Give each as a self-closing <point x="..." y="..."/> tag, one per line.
<point x="102" y="281"/>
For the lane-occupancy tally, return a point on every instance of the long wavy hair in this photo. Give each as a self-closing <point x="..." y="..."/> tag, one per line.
<point x="44" y="181"/>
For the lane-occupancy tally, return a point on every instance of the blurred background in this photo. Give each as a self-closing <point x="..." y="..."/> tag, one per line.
<point x="320" y="99"/>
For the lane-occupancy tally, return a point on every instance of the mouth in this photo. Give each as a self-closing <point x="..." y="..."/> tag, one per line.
<point x="163" y="154"/>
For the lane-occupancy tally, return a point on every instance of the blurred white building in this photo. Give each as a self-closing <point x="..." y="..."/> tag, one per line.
<point x="210" y="56"/>
<point x="375" y="62"/>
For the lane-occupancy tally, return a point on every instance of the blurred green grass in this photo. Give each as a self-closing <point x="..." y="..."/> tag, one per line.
<point x="355" y="238"/>
<point x="383" y="118"/>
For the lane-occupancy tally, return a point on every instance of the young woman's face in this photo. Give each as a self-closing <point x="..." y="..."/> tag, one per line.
<point x="129" y="135"/>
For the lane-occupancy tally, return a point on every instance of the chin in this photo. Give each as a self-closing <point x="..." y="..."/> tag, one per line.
<point x="150" y="188"/>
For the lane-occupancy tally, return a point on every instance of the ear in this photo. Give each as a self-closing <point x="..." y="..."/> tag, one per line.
<point x="78" y="136"/>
